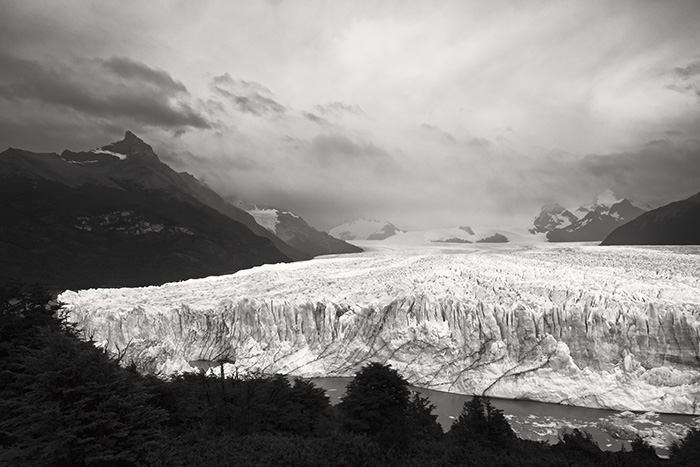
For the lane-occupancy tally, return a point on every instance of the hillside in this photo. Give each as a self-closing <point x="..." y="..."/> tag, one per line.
<point x="677" y="223"/>
<point x="116" y="216"/>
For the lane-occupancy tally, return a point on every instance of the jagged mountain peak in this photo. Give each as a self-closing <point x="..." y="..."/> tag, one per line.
<point x="551" y="216"/>
<point x="130" y="145"/>
<point x="589" y="222"/>
<point x="131" y="137"/>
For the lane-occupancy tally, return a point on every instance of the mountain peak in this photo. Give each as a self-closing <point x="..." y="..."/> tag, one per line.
<point x="131" y="145"/>
<point x="554" y="208"/>
<point x="130" y="137"/>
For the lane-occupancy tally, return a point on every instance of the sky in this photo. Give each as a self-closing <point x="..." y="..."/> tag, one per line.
<point x="426" y="114"/>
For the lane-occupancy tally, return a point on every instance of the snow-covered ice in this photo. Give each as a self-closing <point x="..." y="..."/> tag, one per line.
<point x="614" y="327"/>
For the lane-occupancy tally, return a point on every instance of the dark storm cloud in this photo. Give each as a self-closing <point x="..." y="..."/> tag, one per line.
<point x="214" y="164"/>
<point x="247" y="96"/>
<point x="693" y="69"/>
<point x="342" y="147"/>
<point x="35" y="129"/>
<point x="660" y="172"/>
<point x="315" y="118"/>
<point x="130" y="69"/>
<point x="688" y="79"/>
<point x="340" y="107"/>
<point x="110" y="89"/>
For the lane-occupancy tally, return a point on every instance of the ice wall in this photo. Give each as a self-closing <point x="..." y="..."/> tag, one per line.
<point x="617" y="328"/>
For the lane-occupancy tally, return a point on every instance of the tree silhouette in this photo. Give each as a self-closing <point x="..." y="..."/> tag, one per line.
<point x="480" y="421"/>
<point x="376" y="403"/>
<point x="687" y="450"/>
<point x="65" y="402"/>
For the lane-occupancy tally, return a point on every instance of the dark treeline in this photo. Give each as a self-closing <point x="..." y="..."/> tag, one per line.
<point x="66" y="402"/>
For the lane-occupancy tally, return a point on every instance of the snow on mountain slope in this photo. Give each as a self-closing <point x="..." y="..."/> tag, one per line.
<point x="294" y="230"/>
<point x="603" y="201"/>
<point x="552" y="216"/>
<point x="615" y="327"/>
<point x="268" y="218"/>
<point x="587" y="223"/>
<point x="364" y="229"/>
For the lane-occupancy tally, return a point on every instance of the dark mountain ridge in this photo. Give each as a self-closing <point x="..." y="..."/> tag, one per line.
<point x="677" y="223"/>
<point x="117" y="216"/>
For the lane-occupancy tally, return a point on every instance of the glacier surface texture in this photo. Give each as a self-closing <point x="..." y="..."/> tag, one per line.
<point x="613" y="327"/>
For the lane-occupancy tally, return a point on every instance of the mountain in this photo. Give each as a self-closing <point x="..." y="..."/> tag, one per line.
<point x="495" y="238"/>
<point x="364" y="229"/>
<point x="295" y="231"/>
<point x="552" y="216"/>
<point x="117" y="216"/>
<point x="591" y="222"/>
<point x="677" y="223"/>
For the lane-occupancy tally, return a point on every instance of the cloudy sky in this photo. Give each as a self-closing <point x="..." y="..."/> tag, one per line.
<point x="423" y="113"/>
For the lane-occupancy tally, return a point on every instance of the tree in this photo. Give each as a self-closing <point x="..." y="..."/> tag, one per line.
<point x="578" y="444"/>
<point x="641" y="446"/>
<point x="67" y="403"/>
<point x="423" y="423"/>
<point x="480" y="421"/>
<point x="687" y="450"/>
<point x="376" y="403"/>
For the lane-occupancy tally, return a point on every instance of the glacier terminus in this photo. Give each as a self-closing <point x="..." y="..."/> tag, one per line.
<point x="577" y="324"/>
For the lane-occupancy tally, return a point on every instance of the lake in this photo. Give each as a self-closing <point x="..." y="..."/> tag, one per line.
<point x="543" y="422"/>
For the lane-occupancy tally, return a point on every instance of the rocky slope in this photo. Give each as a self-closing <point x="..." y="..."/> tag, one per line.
<point x="116" y="216"/>
<point x="552" y="216"/>
<point x="617" y="328"/>
<point x="677" y="223"/>
<point x="295" y="231"/>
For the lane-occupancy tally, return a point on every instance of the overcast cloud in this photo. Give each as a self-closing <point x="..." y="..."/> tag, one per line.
<point x="420" y="113"/>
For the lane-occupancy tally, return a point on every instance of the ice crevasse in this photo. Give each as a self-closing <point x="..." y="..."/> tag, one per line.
<point x="588" y="326"/>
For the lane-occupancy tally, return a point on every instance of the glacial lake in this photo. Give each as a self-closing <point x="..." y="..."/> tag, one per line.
<point x="543" y="421"/>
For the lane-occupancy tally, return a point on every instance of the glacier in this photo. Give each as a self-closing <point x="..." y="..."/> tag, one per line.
<point x="577" y="324"/>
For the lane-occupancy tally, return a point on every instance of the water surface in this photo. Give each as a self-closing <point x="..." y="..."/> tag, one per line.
<point x="542" y="421"/>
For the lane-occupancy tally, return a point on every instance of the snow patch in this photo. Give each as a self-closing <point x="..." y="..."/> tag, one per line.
<point x="268" y="218"/>
<point x="109" y="153"/>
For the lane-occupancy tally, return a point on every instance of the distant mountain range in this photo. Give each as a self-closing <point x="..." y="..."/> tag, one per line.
<point x="677" y="223"/>
<point x="591" y="222"/>
<point x="295" y="231"/>
<point x="117" y="216"/>
<point x="364" y="229"/>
